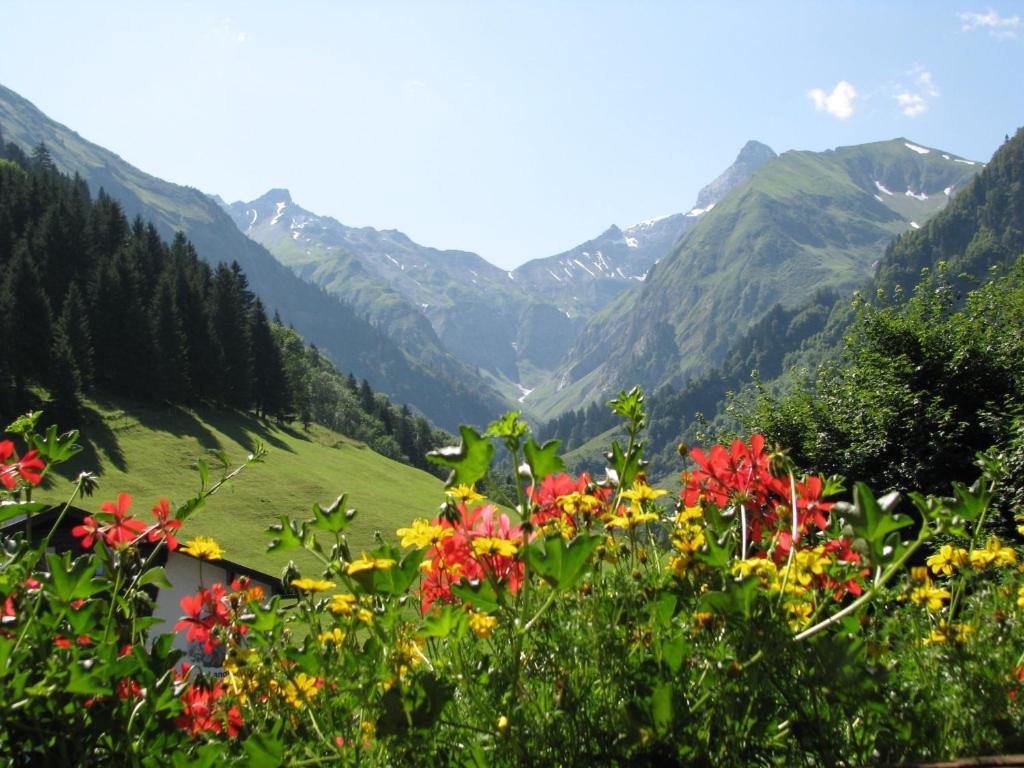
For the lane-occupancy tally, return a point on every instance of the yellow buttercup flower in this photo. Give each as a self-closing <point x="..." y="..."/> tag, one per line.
<point x="947" y="559"/>
<point x="482" y="624"/>
<point x="464" y="493"/>
<point x="958" y="633"/>
<point x="332" y="637"/>
<point x="930" y="596"/>
<point x="641" y="492"/>
<point x="489" y="546"/>
<point x="313" y="585"/>
<point x="994" y="553"/>
<point x="204" y="548"/>
<point x="300" y="690"/>
<point x="1020" y="597"/>
<point x="423" y="534"/>
<point x="342" y="604"/>
<point x="631" y="517"/>
<point x="578" y="503"/>
<point x="366" y="563"/>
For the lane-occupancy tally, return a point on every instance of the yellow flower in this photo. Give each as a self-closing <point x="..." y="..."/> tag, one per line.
<point x="332" y="637"/>
<point x="994" y="553"/>
<point x="300" y="690"/>
<point x="574" y="502"/>
<point x="701" y="619"/>
<point x="947" y="559"/>
<point x="369" y="564"/>
<point x="491" y="546"/>
<point x="464" y="493"/>
<point x="365" y="615"/>
<point x="502" y="723"/>
<point x="342" y="604"/>
<point x="930" y="596"/>
<point x="688" y="514"/>
<point x="956" y="632"/>
<point x="641" y="492"/>
<point x="313" y="585"/>
<point x="423" y="534"/>
<point x="799" y="613"/>
<point x="482" y="624"/>
<point x="630" y="519"/>
<point x="1020" y="597"/>
<point x="204" y="548"/>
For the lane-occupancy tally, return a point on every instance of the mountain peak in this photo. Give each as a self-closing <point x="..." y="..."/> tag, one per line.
<point x="755" y="152"/>
<point x="276" y="195"/>
<point x="753" y="155"/>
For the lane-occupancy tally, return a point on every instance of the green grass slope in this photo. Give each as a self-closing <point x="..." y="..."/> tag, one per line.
<point x="150" y="452"/>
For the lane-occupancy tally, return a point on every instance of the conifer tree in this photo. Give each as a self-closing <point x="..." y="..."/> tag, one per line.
<point x="269" y="384"/>
<point x="24" y="318"/>
<point x="75" y="326"/>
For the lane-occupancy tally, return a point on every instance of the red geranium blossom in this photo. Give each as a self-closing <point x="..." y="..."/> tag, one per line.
<point x="203" y="612"/>
<point x="123" y="529"/>
<point x="165" y="526"/>
<point x="202" y="713"/>
<point x="28" y="467"/>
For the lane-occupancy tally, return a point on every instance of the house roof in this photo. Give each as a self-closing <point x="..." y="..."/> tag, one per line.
<point x="75" y="515"/>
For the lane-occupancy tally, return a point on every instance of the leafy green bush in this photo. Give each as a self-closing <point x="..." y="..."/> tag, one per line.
<point x="753" y="622"/>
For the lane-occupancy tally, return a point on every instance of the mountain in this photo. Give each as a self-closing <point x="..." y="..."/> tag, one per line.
<point x="435" y="300"/>
<point x="804" y="221"/>
<point x="448" y="394"/>
<point x="516" y="326"/>
<point x="584" y="279"/>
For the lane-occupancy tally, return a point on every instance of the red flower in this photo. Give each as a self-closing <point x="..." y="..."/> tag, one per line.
<point x="203" y="612"/>
<point x="124" y="528"/>
<point x="202" y="713"/>
<point x="91" y="530"/>
<point x="165" y="526"/>
<point x="28" y="467"/>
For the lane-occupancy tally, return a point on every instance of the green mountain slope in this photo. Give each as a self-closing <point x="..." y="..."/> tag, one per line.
<point x="150" y="452"/>
<point x="448" y="394"/>
<point x="803" y="222"/>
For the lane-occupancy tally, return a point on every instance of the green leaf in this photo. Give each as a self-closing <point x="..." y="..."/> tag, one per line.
<point x="736" y="602"/>
<point x="84" y="682"/>
<point x="264" y="619"/>
<point x="661" y="708"/>
<point x="559" y="562"/>
<point x="332" y="519"/>
<point x="469" y="460"/>
<point x="396" y="579"/>
<point x="9" y="509"/>
<point x="664" y="609"/>
<point x="24" y="424"/>
<point x="157" y="576"/>
<point x="625" y="467"/>
<point x="56" y="449"/>
<point x="673" y="651"/>
<point x="479" y="594"/>
<point x="72" y="581"/>
<point x="508" y="427"/>
<point x="630" y="406"/>
<point x="447" y="621"/>
<point x="289" y="535"/>
<point x="264" y="750"/>
<point x="873" y="527"/>
<point x="543" y="460"/>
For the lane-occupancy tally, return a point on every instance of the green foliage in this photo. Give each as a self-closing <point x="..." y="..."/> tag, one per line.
<point x="924" y="386"/>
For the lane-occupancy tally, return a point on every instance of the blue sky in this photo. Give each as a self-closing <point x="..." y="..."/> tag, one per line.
<point x="515" y="130"/>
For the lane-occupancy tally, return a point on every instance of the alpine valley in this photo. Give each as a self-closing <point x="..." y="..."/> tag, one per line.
<point x="656" y="303"/>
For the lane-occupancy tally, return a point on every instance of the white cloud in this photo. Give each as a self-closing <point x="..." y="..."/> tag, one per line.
<point x="911" y="103"/>
<point x="915" y="97"/>
<point x="241" y="37"/>
<point x="839" y="103"/>
<point x="999" y="27"/>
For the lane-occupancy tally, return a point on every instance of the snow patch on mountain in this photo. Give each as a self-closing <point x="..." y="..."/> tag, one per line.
<point x="916" y="196"/>
<point x="280" y="210"/>
<point x="915" y="148"/>
<point x="881" y="188"/>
